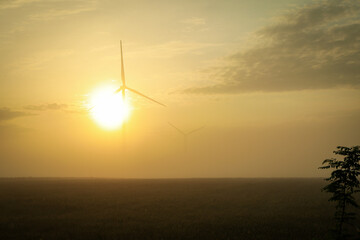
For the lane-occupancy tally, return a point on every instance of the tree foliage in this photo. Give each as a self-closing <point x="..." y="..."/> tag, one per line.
<point x="343" y="184"/>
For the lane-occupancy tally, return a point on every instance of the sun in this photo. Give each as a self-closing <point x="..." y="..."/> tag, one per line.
<point x="107" y="108"/>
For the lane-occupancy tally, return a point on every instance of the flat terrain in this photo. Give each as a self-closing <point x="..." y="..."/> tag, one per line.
<point x="164" y="209"/>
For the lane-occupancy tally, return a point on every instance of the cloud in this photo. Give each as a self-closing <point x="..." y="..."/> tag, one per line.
<point x="45" y="10"/>
<point x="16" y="3"/>
<point x="8" y="114"/>
<point x="57" y="13"/>
<point x="77" y="6"/>
<point x="8" y="130"/>
<point x="312" y="47"/>
<point x="39" y="60"/>
<point x="194" y="24"/>
<point x="171" y="49"/>
<point x="46" y="107"/>
<point x="194" y="21"/>
<point x="67" y="108"/>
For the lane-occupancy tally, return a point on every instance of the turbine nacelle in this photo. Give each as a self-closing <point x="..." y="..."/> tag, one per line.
<point x="185" y="134"/>
<point x="122" y="88"/>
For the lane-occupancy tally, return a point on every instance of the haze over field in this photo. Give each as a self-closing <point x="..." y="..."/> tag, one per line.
<point x="275" y="83"/>
<point x="164" y="209"/>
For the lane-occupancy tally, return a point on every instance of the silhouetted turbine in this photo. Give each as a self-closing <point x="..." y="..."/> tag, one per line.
<point x="124" y="87"/>
<point x="185" y="134"/>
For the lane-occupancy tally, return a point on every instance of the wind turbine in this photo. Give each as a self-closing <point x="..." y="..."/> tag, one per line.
<point x="124" y="87"/>
<point x="185" y="134"/>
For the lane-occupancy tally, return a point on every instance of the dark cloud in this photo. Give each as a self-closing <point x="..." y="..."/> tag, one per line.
<point x="312" y="47"/>
<point x="45" y="107"/>
<point x="67" y="108"/>
<point x="8" y="114"/>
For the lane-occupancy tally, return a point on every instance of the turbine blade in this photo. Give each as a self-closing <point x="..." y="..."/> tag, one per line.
<point x="123" y="95"/>
<point x="119" y="90"/>
<point x="195" y="130"/>
<point x="122" y="65"/>
<point x="134" y="91"/>
<point x="177" y="129"/>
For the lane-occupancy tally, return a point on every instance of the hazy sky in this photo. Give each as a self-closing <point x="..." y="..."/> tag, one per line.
<point x="275" y="83"/>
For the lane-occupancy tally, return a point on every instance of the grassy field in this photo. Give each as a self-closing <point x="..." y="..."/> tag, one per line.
<point x="164" y="209"/>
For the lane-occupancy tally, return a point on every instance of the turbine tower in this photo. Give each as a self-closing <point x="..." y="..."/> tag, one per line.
<point x="185" y="134"/>
<point x="124" y="87"/>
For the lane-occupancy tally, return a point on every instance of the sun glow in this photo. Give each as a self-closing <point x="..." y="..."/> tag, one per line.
<point x="108" y="109"/>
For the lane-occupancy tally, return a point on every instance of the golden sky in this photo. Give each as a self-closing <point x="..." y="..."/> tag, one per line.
<point x="274" y="83"/>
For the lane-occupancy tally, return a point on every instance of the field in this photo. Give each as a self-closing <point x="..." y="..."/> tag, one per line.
<point x="164" y="209"/>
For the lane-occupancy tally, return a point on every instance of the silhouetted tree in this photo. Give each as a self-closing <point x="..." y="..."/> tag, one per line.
<point x="343" y="184"/>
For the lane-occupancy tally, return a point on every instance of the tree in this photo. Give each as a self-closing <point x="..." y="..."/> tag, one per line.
<point x="343" y="184"/>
